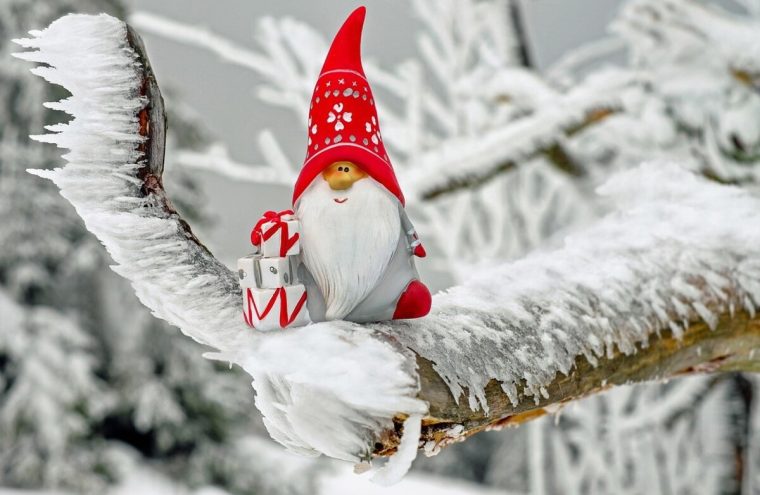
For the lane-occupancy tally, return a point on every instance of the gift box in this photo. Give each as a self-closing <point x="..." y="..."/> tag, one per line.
<point x="273" y="309"/>
<point x="280" y="237"/>
<point x="267" y="273"/>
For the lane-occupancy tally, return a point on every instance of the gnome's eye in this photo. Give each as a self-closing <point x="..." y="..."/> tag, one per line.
<point x="340" y="169"/>
<point x="346" y="169"/>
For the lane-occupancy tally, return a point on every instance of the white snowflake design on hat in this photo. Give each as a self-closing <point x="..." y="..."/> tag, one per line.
<point x="374" y="133"/>
<point x="339" y="117"/>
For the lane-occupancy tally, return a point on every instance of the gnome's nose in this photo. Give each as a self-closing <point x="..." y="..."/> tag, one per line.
<point x="342" y="175"/>
<point x="340" y="182"/>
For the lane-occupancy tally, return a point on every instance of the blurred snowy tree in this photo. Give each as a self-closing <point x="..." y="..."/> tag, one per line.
<point x="89" y="381"/>
<point x="671" y="438"/>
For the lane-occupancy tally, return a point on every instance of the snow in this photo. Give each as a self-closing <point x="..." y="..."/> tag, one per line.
<point x="13" y="314"/>
<point x="344" y="482"/>
<point x="701" y="62"/>
<point x="216" y="158"/>
<point x="88" y="55"/>
<point x="678" y="249"/>
<point x="695" y="454"/>
<point x="340" y="481"/>
<point x="329" y="387"/>
<point x="675" y="248"/>
<point x="141" y="480"/>
<point x="732" y="38"/>
<point x="398" y="465"/>
<point x="47" y="380"/>
<point x="480" y="156"/>
<point x="753" y="458"/>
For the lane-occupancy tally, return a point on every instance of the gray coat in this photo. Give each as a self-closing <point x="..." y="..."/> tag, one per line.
<point x="380" y="303"/>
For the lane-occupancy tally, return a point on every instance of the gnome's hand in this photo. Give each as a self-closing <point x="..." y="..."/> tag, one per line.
<point x="417" y="248"/>
<point x="415" y="244"/>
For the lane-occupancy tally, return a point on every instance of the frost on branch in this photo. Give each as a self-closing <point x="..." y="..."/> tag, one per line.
<point x="472" y="161"/>
<point x="677" y="250"/>
<point x="704" y="71"/>
<point x="110" y="181"/>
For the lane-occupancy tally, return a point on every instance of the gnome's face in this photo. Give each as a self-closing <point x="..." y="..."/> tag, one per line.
<point x="350" y="228"/>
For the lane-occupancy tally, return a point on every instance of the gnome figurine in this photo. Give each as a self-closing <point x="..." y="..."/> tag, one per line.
<point x="357" y="243"/>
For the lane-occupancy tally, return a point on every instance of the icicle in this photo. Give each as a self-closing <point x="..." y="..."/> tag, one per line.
<point x="398" y="465"/>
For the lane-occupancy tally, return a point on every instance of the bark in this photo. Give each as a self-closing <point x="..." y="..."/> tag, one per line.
<point x="153" y="126"/>
<point x="733" y="346"/>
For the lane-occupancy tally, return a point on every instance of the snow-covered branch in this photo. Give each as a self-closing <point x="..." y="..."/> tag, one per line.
<point x="681" y="25"/>
<point x="730" y="345"/>
<point x="666" y="284"/>
<point x="671" y="44"/>
<point x="114" y="174"/>
<point x="472" y="161"/>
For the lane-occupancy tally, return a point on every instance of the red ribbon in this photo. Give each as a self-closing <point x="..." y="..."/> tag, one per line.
<point x="286" y="320"/>
<point x="280" y="292"/>
<point x="251" y="302"/>
<point x="276" y="218"/>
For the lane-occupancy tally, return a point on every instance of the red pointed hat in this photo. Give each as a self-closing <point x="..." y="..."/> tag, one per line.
<point x="343" y="124"/>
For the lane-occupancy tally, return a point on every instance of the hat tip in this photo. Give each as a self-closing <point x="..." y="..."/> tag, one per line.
<point x="359" y="14"/>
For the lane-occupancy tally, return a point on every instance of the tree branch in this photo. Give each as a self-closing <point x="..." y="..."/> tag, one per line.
<point x="114" y="176"/>
<point x="557" y="325"/>
<point x="521" y="33"/>
<point x="502" y="150"/>
<point x="152" y="127"/>
<point x="734" y="345"/>
<point x="723" y="34"/>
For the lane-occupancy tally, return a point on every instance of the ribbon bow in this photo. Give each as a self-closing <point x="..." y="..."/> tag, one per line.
<point x="279" y="223"/>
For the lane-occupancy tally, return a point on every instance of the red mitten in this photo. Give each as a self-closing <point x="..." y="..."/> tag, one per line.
<point x="417" y="248"/>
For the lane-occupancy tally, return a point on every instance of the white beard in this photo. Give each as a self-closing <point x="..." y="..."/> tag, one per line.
<point x="347" y="246"/>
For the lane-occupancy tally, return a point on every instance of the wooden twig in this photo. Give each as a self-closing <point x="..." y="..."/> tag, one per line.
<point x="521" y="33"/>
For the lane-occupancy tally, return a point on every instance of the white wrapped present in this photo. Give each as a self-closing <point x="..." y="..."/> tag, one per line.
<point x="273" y="309"/>
<point x="280" y="237"/>
<point x="267" y="273"/>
